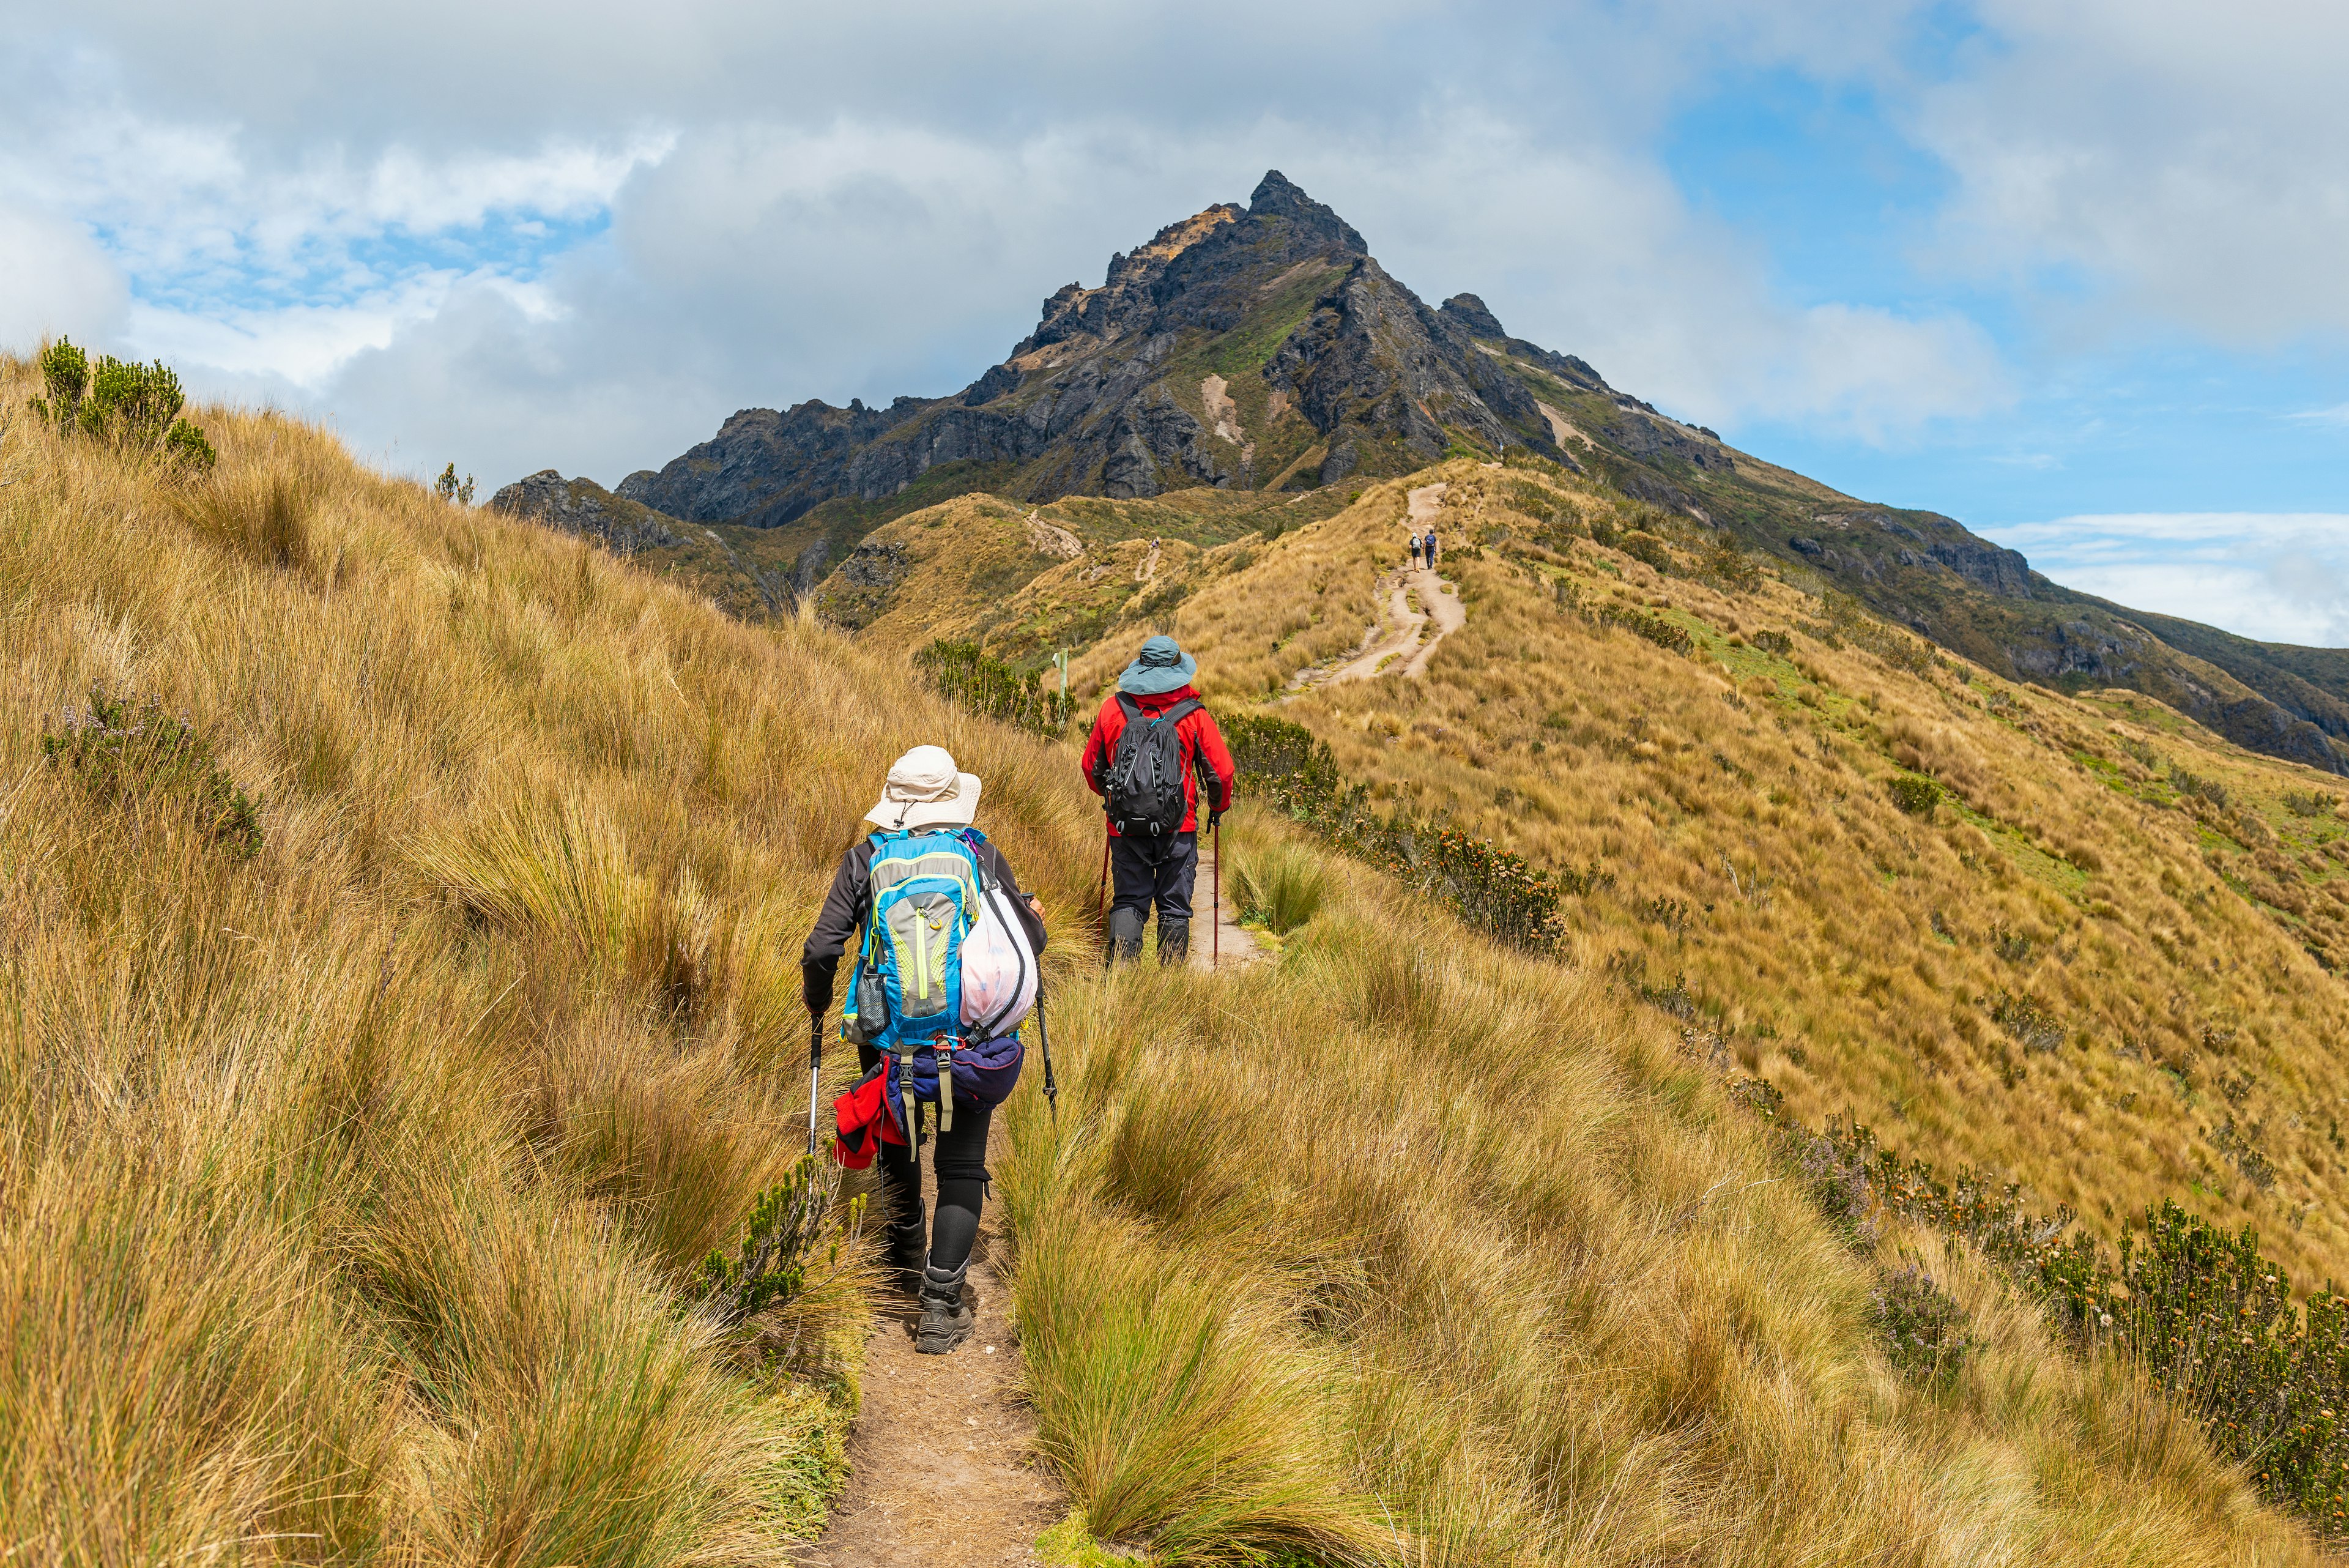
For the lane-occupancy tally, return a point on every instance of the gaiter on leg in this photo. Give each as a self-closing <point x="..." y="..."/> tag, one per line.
<point x="962" y="1187"/>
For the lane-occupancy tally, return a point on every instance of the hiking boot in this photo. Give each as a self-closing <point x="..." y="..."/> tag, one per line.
<point x="1125" y="935"/>
<point x="909" y="1249"/>
<point x="947" y="1318"/>
<point x="1174" y="941"/>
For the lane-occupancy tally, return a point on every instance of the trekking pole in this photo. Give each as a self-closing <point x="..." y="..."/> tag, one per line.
<point x="1215" y="909"/>
<point x="1100" y="885"/>
<point x="816" y="1065"/>
<point x="1044" y="1039"/>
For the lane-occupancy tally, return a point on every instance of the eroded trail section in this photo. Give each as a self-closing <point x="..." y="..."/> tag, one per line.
<point x="942" y="1468"/>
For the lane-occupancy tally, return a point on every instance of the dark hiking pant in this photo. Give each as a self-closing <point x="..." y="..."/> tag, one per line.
<point x="1147" y="872"/>
<point x="958" y="1159"/>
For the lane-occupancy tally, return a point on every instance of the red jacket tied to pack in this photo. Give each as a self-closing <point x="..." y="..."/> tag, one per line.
<point x="1201" y="745"/>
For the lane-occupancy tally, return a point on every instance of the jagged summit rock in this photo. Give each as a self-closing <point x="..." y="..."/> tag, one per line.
<point x="1260" y="346"/>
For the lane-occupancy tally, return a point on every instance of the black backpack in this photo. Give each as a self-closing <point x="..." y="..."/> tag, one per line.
<point x="1143" y="790"/>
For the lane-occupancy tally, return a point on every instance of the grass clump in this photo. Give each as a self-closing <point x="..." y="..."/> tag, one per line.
<point x="1283" y="887"/>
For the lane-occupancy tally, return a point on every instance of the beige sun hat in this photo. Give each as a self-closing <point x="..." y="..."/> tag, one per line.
<point x="924" y="790"/>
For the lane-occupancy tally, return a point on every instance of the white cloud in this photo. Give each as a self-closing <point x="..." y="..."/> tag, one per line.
<point x="2170" y="159"/>
<point x="53" y="281"/>
<point x="2336" y="415"/>
<point x="2276" y="577"/>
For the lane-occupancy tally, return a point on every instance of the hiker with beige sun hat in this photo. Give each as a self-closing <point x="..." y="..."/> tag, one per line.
<point x="947" y="949"/>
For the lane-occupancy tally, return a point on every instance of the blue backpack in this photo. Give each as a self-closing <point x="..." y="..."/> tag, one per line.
<point x="907" y="998"/>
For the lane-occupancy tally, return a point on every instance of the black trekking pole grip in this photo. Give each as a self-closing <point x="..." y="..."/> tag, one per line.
<point x="815" y="1068"/>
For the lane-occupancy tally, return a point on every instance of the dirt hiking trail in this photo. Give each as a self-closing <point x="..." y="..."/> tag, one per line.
<point x="1239" y="945"/>
<point x="942" y="1468"/>
<point x="1404" y="638"/>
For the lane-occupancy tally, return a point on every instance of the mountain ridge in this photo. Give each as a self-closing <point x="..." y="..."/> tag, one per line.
<point x="1264" y="347"/>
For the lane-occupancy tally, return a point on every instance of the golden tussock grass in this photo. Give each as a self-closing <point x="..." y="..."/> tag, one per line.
<point x="347" y="1193"/>
<point x="2073" y="970"/>
<point x="1400" y="1248"/>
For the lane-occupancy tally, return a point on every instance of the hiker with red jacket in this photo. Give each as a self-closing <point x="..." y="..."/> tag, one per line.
<point x="1152" y="747"/>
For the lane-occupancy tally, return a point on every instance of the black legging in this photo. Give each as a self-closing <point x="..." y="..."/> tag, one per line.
<point x="960" y="1160"/>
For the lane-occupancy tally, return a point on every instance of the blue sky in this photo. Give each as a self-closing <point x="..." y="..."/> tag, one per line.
<point x="2068" y="270"/>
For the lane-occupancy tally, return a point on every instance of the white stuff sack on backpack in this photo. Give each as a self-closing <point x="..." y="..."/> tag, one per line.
<point x="999" y="970"/>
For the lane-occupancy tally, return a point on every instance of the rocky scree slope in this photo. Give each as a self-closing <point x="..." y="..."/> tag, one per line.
<point x="1265" y="349"/>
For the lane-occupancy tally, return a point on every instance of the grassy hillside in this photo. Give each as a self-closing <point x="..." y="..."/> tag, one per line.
<point x="352" y="1180"/>
<point x="351" y="1188"/>
<point x="1026" y="581"/>
<point x="2093" y="951"/>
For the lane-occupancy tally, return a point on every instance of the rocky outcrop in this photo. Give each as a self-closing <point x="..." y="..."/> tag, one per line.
<point x="583" y="507"/>
<point x="765" y="468"/>
<point x="1988" y="566"/>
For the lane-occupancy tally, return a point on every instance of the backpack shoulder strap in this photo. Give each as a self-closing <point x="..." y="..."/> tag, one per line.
<point x="1128" y="706"/>
<point x="1182" y="710"/>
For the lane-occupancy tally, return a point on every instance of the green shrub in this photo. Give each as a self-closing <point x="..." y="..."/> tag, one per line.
<point x="962" y="674"/>
<point x="2194" y="787"/>
<point x="185" y="448"/>
<point x="2314" y="803"/>
<point x="1667" y="634"/>
<point x="1284" y="887"/>
<point x="1923" y="1326"/>
<point x="134" y="407"/>
<point x="2028" y="1021"/>
<point x="789" y="1222"/>
<point x="64" y="373"/>
<point x="1643" y="547"/>
<point x="451" y="489"/>
<point x="133" y="756"/>
<point x="1727" y="567"/>
<point x="1915" y="794"/>
<point x="1778" y="642"/>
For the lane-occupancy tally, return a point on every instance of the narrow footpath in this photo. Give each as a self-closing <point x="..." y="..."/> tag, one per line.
<point x="942" y="1468"/>
<point x="1236" y="943"/>
<point x="1414" y="595"/>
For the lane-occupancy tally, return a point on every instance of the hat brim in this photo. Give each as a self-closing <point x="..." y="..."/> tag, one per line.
<point x="1154" y="679"/>
<point x="956" y="810"/>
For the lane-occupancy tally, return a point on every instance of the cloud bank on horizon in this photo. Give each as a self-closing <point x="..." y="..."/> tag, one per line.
<point x="2063" y="270"/>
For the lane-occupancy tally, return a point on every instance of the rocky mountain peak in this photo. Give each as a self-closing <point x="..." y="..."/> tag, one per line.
<point x="1468" y="312"/>
<point x="1277" y="196"/>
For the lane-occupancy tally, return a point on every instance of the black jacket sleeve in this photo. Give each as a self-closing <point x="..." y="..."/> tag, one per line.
<point x="836" y="926"/>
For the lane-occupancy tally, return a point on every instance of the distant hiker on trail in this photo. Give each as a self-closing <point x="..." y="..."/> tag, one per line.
<point x="1414" y="552"/>
<point x="945" y="966"/>
<point x="1151" y="742"/>
<point x="1430" y="548"/>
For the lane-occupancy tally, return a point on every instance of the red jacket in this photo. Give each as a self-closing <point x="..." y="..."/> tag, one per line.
<point x="1202" y="743"/>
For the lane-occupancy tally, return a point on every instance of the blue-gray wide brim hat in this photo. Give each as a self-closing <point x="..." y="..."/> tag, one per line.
<point x="1162" y="665"/>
